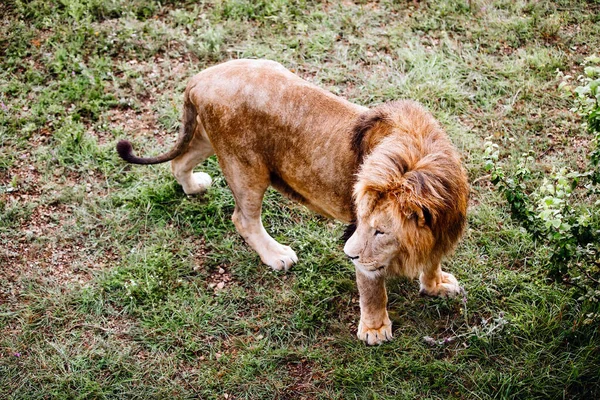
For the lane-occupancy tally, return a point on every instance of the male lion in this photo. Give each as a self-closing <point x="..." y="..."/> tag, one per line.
<point x="390" y="170"/>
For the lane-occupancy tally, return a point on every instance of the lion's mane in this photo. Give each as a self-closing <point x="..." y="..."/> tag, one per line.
<point x="410" y="169"/>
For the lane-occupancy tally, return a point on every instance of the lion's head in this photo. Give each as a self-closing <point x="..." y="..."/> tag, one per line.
<point x="410" y="195"/>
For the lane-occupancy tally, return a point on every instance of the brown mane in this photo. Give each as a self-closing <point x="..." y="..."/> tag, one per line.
<point x="415" y="173"/>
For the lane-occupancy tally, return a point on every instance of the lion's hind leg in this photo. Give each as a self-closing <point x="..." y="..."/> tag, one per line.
<point x="198" y="150"/>
<point x="435" y="282"/>
<point x="248" y="189"/>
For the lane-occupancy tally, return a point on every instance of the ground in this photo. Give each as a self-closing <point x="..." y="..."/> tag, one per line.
<point x="113" y="283"/>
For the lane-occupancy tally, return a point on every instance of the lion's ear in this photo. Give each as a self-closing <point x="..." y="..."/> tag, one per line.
<point x="413" y="210"/>
<point x="411" y="199"/>
<point x="419" y="215"/>
<point x="422" y="216"/>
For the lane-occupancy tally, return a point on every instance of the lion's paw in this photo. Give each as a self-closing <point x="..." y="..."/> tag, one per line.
<point x="280" y="258"/>
<point x="373" y="336"/>
<point x="200" y="182"/>
<point x="448" y="287"/>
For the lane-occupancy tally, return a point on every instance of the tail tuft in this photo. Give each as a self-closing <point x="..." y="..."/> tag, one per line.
<point x="125" y="150"/>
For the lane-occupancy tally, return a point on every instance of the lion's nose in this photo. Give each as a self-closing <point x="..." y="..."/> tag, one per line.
<point x="349" y="250"/>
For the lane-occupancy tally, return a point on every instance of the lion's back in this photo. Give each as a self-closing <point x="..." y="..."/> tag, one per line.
<point x="257" y="112"/>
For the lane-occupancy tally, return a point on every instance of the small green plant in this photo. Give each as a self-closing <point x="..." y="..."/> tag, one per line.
<point x="562" y="211"/>
<point x="587" y="105"/>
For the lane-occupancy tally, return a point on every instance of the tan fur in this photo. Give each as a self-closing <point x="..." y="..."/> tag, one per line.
<point x="390" y="169"/>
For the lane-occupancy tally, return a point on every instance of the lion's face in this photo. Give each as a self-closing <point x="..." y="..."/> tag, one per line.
<point x="374" y="244"/>
<point x="387" y="241"/>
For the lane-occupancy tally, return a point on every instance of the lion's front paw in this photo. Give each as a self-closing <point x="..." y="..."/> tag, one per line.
<point x="373" y="336"/>
<point x="280" y="258"/>
<point x="448" y="287"/>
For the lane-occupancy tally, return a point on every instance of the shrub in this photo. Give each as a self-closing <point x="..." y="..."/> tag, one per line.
<point x="562" y="211"/>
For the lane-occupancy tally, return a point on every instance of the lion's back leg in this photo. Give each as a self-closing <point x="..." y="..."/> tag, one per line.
<point x="182" y="166"/>
<point x="248" y="183"/>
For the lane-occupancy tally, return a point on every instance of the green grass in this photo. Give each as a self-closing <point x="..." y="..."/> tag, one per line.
<point x="108" y="272"/>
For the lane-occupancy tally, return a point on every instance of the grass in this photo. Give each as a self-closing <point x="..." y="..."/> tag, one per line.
<point x="114" y="284"/>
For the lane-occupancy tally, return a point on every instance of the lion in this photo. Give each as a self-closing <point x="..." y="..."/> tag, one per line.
<point x="390" y="172"/>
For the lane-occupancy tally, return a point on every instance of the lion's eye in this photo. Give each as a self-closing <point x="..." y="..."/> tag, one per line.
<point x="378" y="232"/>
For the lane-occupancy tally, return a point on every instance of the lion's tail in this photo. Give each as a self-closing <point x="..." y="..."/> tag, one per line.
<point x="188" y="128"/>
